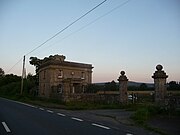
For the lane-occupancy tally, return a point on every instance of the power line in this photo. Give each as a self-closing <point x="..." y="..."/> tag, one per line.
<point x="98" y="18"/>
<point x="14" y="65"/>
<point x="59" y="32"/>
<point x="66" y="27"/>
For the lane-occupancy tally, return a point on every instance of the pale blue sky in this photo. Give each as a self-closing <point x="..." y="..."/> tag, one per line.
<point x="135" y="37"/>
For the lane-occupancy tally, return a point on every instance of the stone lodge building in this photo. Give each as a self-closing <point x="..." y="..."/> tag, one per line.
<point x="59" y="78"/>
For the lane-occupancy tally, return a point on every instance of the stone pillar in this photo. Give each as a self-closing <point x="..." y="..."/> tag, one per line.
<point x="160" y="84"/>
<point x="123" y="88"/>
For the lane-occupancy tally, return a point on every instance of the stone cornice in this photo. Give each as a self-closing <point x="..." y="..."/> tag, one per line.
<point x="65" y="63"/>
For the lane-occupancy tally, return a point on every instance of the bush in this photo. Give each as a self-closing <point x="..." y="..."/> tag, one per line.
<point x="144" y="113"/>
<point x="13" y="89"/>
<point x="9" y="78"/>
<point x="141" y="115"/>
<point x="10" y="89"/>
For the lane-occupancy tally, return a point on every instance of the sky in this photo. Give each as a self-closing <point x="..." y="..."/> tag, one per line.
<point x="133" y="36"/>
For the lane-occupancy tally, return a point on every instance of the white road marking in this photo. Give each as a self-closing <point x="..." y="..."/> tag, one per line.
<point x="49" y="111"/>
<point x="26" y="104"/>
<point x="61" y="114"/>
<point x="101" y="126"/>
<point x="6" y="127"/>
<point x="73" y="118"/>
<point x="129" y="134"/>
<point x="20" y="103"/>
<point x="41" y="109"/>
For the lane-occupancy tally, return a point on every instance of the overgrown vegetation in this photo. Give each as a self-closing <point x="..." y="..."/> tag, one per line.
<point x="145" y="112"/>
<point x="9" y="78"/>
<point x="10" y="86"/>
<point x="172" y="85"/>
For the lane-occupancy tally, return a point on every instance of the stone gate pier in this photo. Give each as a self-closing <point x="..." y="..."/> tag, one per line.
<point x="160" y="84"/>
<point x="123" y="87"/>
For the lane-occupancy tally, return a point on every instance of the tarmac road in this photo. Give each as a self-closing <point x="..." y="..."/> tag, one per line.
<point x="23" y="119"/>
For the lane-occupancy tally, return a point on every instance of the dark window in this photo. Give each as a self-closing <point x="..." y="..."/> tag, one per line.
<point x="60" y="74"/>
<point x="82" y="75"/>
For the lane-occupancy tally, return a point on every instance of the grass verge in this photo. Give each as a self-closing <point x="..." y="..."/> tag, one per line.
<point x="146" y="112"/>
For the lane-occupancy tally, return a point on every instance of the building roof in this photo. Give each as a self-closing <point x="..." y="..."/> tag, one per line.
<point x="59" y="60"/>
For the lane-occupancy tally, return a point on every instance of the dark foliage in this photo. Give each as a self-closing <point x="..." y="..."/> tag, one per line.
<point x="93" y="88"/>
<point x="9" y="78"/>
<point x="173" y="86"/>
<point x="36" y="62"/>
<point x="1" y="72"/>
<point x="110" y="86"/>
<point x="10" y="85"/>
<point x="141" y="87"/>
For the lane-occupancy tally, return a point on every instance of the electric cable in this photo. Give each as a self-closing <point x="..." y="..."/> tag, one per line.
<point x="14" y="65"/>
<point x="95" y="20"/>
<point x="66" y="27"/>
<point x="59" y="32"/>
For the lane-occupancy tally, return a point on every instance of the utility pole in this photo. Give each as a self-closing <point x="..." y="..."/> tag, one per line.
<point x="22" y="75"/>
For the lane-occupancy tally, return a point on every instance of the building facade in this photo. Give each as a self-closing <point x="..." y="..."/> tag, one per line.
<point x="59" y="78"/>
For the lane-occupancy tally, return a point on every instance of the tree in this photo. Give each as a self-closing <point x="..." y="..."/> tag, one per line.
<point x="30" y="84"/>
<point x="173" y="86"/>
<point x="30" y="77"/>
<point x="143" y="86"/>
<point x="93" y="88"/>
<point x="36" y="62"/>
<point x="9" y="78"/>
<point x="1" y="72"/>
<point x="133" y="88"/>
<point x="110" y="86"/>
<point x="113" y="86"/>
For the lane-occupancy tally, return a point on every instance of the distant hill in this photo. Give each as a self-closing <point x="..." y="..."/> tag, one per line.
<point x="137" y="84"/>
<point x="130" y="83"/>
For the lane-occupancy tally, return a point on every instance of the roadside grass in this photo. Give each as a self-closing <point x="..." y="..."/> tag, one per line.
<point x="149" y="111"/>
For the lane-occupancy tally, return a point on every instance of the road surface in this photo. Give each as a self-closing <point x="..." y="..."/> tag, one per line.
<point x="23" y="119"/>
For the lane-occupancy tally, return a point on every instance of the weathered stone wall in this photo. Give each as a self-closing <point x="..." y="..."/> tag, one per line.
<point x="87" y="97"/>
